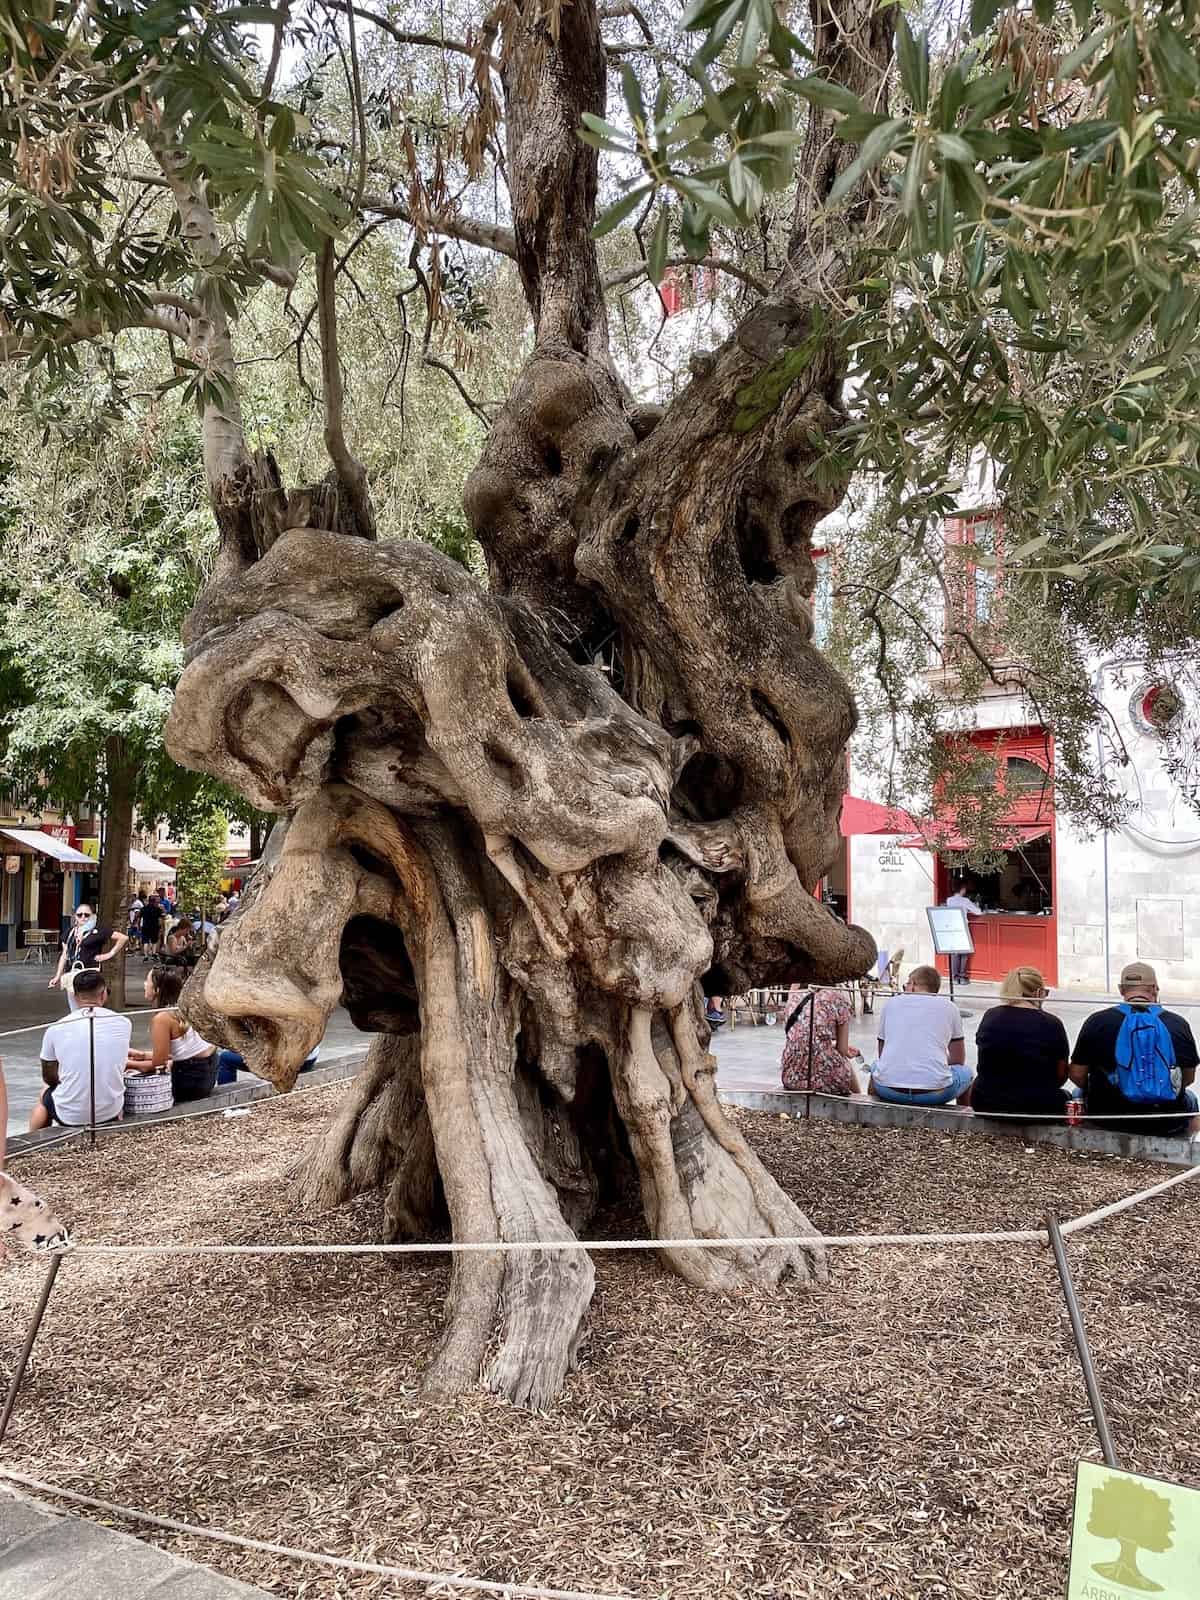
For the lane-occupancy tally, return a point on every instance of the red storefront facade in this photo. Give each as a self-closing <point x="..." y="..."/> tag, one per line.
<point x="1018" y="924"/>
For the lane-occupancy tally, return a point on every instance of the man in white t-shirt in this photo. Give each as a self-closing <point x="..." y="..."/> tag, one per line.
<point x="921" y="1046"/>
<point x="67" y="1058"/>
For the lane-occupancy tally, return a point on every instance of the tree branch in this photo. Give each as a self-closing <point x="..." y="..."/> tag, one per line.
<point x="274" y="274"/>
<point x="484" y="234"/>
<point x="351" y="473"/>
<point x="401" y="36"/>
<point x="609" y="10"/>
<point x="553" y="174"/>
<point x="281" y="22"/>
<point x="613" y="280"/>
<point x="189" y="308"/>
<point x="476" y="406"/>
<point x="78" y="330"/>
<point x="853" y="44"/>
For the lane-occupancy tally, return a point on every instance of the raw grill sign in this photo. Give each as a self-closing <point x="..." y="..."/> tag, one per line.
<point x="890" y="859"/>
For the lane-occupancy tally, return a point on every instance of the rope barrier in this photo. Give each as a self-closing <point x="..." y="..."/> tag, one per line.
<point x="72" y="1016"/>
<point x="532" y="1246"/>
<point x="850" y="1241"/>
<point x="480" y="1585"/>
<point x="1168" y="1114"/>
<point x="132" y="1124"/>
<point x="1093" y="1218"/>
<point x="374" y="1568"/>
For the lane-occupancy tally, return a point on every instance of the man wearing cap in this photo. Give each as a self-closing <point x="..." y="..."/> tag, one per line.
<point x="1094" y="1064"/>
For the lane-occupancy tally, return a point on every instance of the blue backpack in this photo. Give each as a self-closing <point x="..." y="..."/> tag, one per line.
<point x="1145" y="1055"/>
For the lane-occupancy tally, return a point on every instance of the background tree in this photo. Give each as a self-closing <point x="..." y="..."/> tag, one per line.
<point x="105" y="533"/>
<point x="202" y="864"/>
<point x="529" y="824"/>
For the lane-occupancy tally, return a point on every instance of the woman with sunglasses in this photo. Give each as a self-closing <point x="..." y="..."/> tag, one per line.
<point x="86" y="946"/>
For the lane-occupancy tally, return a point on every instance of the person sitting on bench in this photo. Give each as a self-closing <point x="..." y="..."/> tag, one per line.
<point x="921" y="1046"/>
<point x="67" y="1060"/>
<point x="824" y="1019"/>
<point x="175" y="1046"/>
<point x="1022" y="1053"/>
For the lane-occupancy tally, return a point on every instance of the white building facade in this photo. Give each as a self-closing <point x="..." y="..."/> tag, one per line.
<point x="1077" y="907"/>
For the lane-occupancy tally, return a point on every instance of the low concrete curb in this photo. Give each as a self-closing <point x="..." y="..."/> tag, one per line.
<point x="879" y="1114"/>
<point x="235" y="1094"/>
<point x="50" y="1555"/>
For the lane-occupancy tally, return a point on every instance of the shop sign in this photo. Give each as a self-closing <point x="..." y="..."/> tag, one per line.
<point x="891" y="857"/>
<point x="1133" y="1536"/>
<point x="12" y="864"/>
<point x="64" y="832"/>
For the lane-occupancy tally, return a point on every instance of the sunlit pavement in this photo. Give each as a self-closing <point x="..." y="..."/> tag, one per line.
<point x="747" y="1056"/>
<point x="25" y="1000"/>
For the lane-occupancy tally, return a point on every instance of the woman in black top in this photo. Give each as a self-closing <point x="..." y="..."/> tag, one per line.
<point x="1023" y="1052"/>
<point x="86" y="946"/>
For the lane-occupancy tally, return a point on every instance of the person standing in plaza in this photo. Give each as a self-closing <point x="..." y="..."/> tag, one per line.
<point x="87" y="947"/>
<point x="152" y="924"/>
<point x="1134" y="1060"/>
<point x="961" y="901"/>
<point x="134" y="925"/>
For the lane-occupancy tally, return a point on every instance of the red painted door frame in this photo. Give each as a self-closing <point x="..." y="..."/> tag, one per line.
<point x="1002" y="943"/>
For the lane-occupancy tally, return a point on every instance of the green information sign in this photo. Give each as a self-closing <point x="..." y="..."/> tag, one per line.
<point x="1133" y="1536"/>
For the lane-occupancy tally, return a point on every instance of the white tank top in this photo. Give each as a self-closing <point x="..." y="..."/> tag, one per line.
<point x="189" y="1045"/>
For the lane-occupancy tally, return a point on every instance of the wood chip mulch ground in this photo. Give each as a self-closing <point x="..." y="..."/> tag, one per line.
<point x="909" y="1431"/>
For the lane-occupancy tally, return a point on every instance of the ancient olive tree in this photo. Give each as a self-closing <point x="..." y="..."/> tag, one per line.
<point x="531" y="822"/>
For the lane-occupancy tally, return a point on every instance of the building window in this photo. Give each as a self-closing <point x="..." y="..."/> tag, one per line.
<point x="683" y="288"/>
<point x="1023" y="778"/>
<point x="974" y="587"/>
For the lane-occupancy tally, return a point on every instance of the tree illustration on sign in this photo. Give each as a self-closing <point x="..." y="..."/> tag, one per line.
<point x="1127" y="1511"/>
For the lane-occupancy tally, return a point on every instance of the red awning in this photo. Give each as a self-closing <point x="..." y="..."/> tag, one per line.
<point x="864" y="816"/>
<point x="944" y="836"/>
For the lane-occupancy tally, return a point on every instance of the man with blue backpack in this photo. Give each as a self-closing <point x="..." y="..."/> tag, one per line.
<point x="1136" y="1059"/>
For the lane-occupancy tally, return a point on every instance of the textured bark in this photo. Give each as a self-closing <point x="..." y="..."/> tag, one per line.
<point x="521" y="871"/>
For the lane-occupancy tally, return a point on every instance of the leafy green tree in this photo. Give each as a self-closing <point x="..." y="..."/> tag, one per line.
<point x="202" y="863"/>
<point x="104" y="541"/>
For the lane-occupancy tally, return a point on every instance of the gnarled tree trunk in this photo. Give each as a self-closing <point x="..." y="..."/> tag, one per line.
<point x="519" y="871"/>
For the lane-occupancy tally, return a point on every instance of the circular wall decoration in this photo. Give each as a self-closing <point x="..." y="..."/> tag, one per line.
<point x="1156" y="707"/>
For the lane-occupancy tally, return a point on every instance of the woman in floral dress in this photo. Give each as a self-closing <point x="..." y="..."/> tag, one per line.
<point x="831" y="1048"/>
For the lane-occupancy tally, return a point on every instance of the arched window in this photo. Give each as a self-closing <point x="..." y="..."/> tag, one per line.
<point x="1024" y="778"/>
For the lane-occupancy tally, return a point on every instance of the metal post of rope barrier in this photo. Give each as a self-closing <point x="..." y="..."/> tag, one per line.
<point x="27" y="1348"/>
<point x="1095" y="1399"/>
<point x="92" y="1072"/>
<point x="812" y="1018"/>
<point x="789" y="1022"/>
